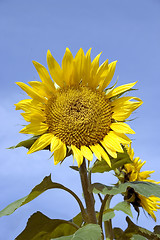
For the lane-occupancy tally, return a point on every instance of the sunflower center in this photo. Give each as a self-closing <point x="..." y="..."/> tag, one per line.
<point x="79" y="116"/>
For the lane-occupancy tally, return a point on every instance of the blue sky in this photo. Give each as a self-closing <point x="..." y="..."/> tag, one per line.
<point x="127" y="31"/>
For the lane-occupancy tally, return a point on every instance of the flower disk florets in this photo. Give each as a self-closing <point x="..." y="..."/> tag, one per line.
<point x="79" y="116"/>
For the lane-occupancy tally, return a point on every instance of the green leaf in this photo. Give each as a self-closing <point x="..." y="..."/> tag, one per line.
<point x="134" y="232"/>
<point x="36" y="191"/>
<point x="78" y="219"/>
<point x="41" y="227"/>
<point x="108" y="214"/>
<point x="124" y="207"/>
<point x="102" y="166"/>
<point x="74" y="168"/>
<point x="144" y="188"/>
<point x="137" y="237"/>
<point x="88" y="232"/>
<point x="64" y="238"/>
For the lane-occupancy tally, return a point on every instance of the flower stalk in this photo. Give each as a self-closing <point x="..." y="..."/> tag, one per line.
<point x="89" y="199"/>
<point x="108" y="224"/>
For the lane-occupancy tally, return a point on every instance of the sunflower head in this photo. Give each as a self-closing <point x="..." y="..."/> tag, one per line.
<point x="149" y="204"/>
<point x="70" y="109"/>
<point x="132" y="172"/>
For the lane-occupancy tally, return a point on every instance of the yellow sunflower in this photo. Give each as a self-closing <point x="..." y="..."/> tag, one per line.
<point x="133" y="170"/>
<point x="74" y="111"/>
<point x="132" y="173"/>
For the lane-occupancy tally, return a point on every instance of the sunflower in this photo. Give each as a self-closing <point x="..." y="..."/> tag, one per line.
<point x="133" y="170"/>
<point x="75" y="111"/>
<point x="132" y="173"/>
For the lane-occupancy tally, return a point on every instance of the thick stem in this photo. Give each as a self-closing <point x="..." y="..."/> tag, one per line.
<point x="89" y="199"/>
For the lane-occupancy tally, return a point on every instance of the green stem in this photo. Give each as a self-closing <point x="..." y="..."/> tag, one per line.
<point x="83" y="212"/>
<point x="102" y="210"/>
<point x="108" y="224"/>
<point x="89" y="199"/>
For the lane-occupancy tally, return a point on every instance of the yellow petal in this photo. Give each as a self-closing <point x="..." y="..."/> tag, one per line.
<point x="124" y="104"/>
<point x="67" y="67"/>
<point x="123" y="100"/>
<point x="120" y="89"/>
<point x="122" y="138"/>
<point x="38" y="87"/>
<point x="112" y="143"/>
<point x="87" y="69"/>
<point x="95" y="80"/>
<point x="23" y="104"/>
<point x="79" y="63"/>
<point x="96" y="151"/>
<point x="145" y="174"/>
<point x="33" y="94"/>
<point x="86" y="152"/>
<point x="44" y="76"/>
<point x="118" y="137"/>
<point x="35" y="128"/>
<point x="36" y="117"/>
<point x="110" y="151"/>
<point x="109" y="75"/>
<point x="60" y="154"/>
<point x="104" y="154"/>
<point x="42" y="142"/>
<point x="121" y="115"/>
<point x="121" y="127"/>
<point x="77" y="155"/>
<point x="54" y="69"/>
<point x="95" y="64"/>
<point x="102" y="70"/>
<point x="56" y="143"/>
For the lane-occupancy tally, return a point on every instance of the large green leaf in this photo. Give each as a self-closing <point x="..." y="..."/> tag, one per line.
<point x="102" y="166"/>
<point x="41" y="227"/>
<point x="88" y="232"/>
<point x="144" y="188"/>
<point x="36" y="191"/>
<point x="124" y="207"/>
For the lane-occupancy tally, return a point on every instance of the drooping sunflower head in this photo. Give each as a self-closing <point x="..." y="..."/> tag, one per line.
<point x="149" y="204"/>
<point x="132" y="172"/>
<point x="75" y="111"/>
